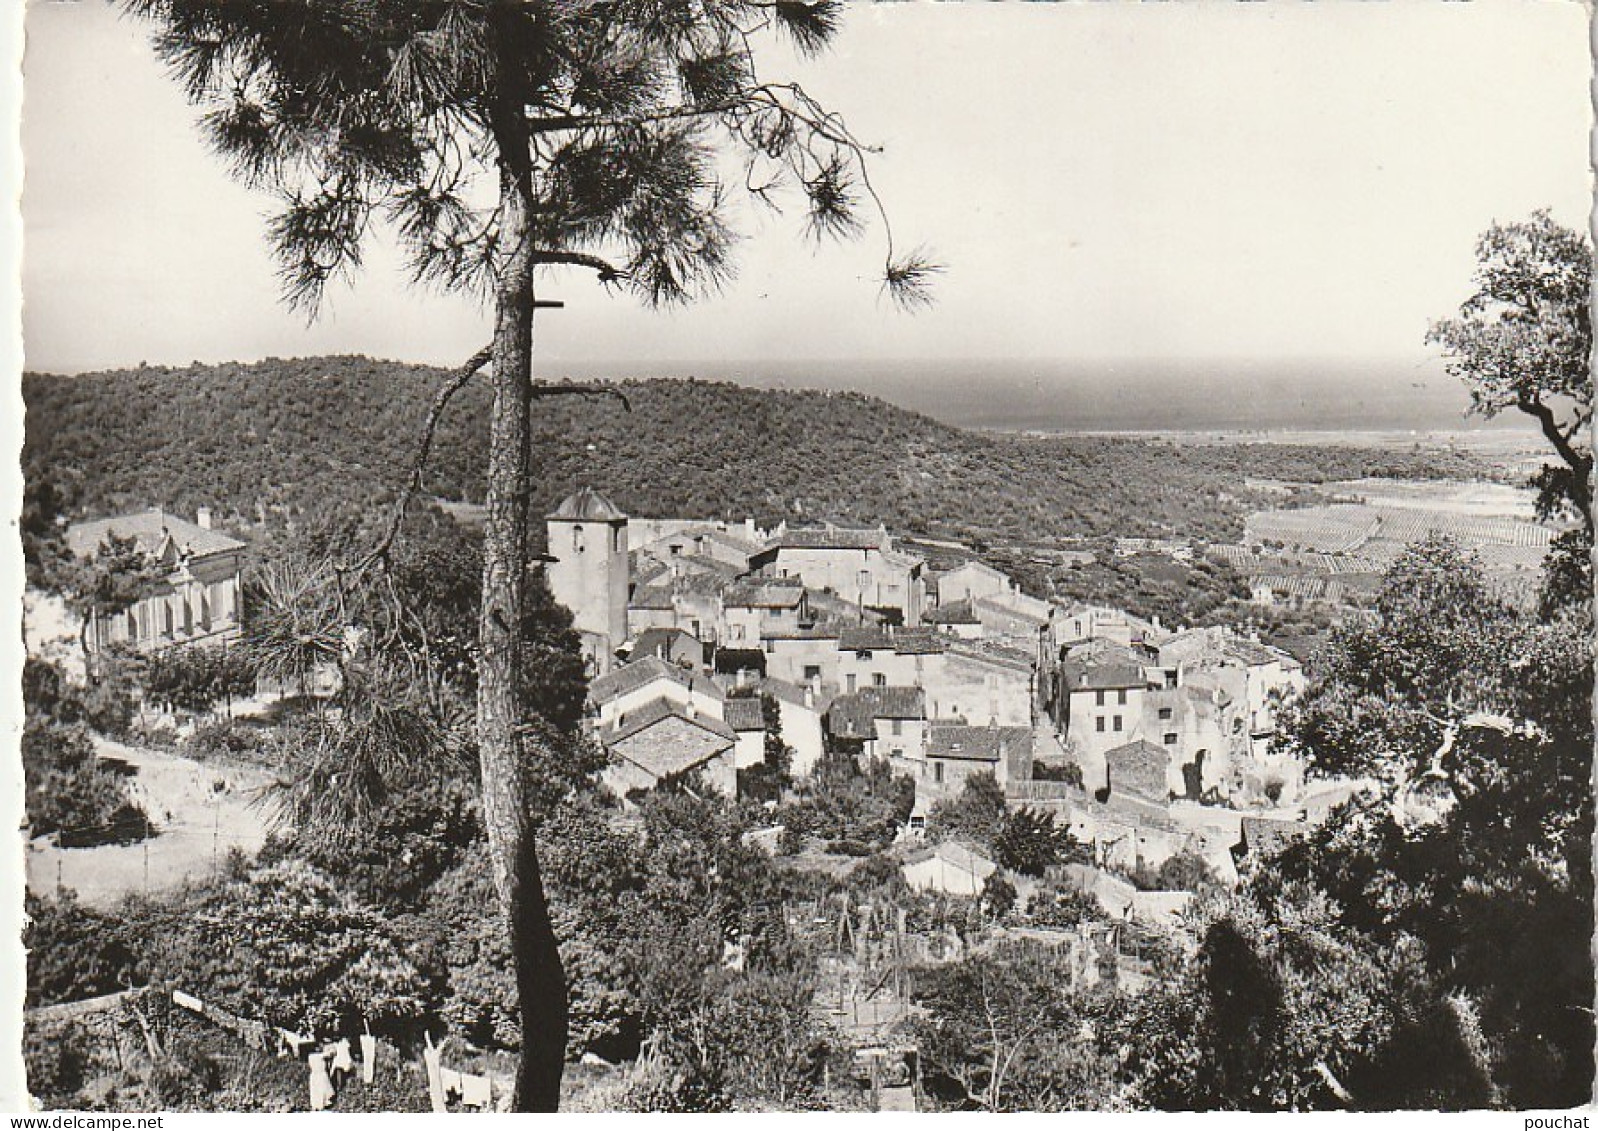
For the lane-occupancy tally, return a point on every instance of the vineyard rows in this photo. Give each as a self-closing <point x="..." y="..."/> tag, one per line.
<point x="1343" y="528"/>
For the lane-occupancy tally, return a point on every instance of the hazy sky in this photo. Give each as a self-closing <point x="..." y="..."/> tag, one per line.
<point x="1104" y="181"/>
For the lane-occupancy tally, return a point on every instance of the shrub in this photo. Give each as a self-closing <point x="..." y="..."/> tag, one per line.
<point x="222" y="739"/>
<point x="56" y="1063"/>
<point x="47" y="692"/>
<point x="74" y="952"/>
<point x="71" y="793"/>
<point x="285" y="946"/>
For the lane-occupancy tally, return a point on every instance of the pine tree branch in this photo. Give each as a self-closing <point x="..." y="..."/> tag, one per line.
<point x="452" y="385"/>
<point x="596" y="390"/>
<point x="608" y="272"/>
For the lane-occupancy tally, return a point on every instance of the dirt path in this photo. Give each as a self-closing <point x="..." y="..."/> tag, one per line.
<point x="200" y="810"/>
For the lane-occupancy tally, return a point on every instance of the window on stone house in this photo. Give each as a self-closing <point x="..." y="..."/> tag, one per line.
<point x="577" y="539"/>
<point x="1098" y="724"/>
<point x="898" y="727"/>
<point x="812" y="671"/>
<point x="849" y="682"/>
<point x="1117" y="724"/>
<point x="937" y="772"/>
<point x="1165" y="712"/>
<point x="1170" y="738"/>
<point x="879" y="679"/>
<point x="1120" y="697"/>
<point x="1098" y="698"/>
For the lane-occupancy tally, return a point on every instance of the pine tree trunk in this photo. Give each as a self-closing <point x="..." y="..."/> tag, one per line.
<point x="540" y="982"/>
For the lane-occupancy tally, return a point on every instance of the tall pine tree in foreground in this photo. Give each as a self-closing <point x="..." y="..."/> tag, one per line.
<point x="499" y="138"/>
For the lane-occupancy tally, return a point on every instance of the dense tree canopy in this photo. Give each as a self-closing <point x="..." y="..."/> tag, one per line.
<point x="1522" y="342"/>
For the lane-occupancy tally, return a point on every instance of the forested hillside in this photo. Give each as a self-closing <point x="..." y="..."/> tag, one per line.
<point x="294" y="438"/>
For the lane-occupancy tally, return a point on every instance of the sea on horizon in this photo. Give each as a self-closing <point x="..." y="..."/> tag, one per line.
<point x="1120" y="396"/>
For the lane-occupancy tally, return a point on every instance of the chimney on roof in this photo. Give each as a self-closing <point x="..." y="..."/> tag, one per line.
<point x="203" y="518"/>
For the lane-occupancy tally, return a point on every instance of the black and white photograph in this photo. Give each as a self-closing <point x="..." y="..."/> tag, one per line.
<point x="800" y="556"/>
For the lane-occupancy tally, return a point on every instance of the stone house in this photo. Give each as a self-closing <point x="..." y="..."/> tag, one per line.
<point x="1257" y="677"/>
<point x="756" y="608"/>
<point x="1099" y="698"/>
<point x="955" y="752"/>
<point x="198" y="599"/>
<point x="861" y="566"/>
<point x="887" y="722"/>
<point x="806" y="655"/>
<point x="983" y="682"/>
<point x="631" y="686"/>
<point x="748" y="722"/>
<point x="662" y="739"/>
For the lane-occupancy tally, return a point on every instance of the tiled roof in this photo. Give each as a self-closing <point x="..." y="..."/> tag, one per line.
<point x="876" y="638"/>
<point x="992" y="652"/>
<point x="911" y="642"/>
<point x="841" y="609"/>
<point x="641" y="673"/>
<point x="854" y="715"/>
<point x="651" y="597"/>
<point x="657" y="641"/>
<point x="703" y="583"/>
<point x="977" y="743"/>
<point x="773" y="594"/>
<point x="587" y="505"/>
<point x="957" y="613"/>
<point x="1137" y="746"/>
<point x="955" y="854"/>
<point x="1102" y="665"/>
<point x="732" y="541"/>
<point x="787" y="692"/>
<point x="703" y="563"/>
<point x="828" y="538"/>
<point x="1264" y="837"/>
<point x="1217" y="646"/>
<point x="975" y="566"/>
<point x="714" y="736"/>
<point x="1106" y="677"/>
<point x="646" y="568"/>
<point x="865" y="638"/>
<point x="150" y="530"/>
<point x="820" y="630"/>
<point x="1017" y="605"/>
<point x="745" y="714"/>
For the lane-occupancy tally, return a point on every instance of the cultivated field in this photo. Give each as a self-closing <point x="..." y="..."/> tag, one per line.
<point x="1494" y="521"/>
